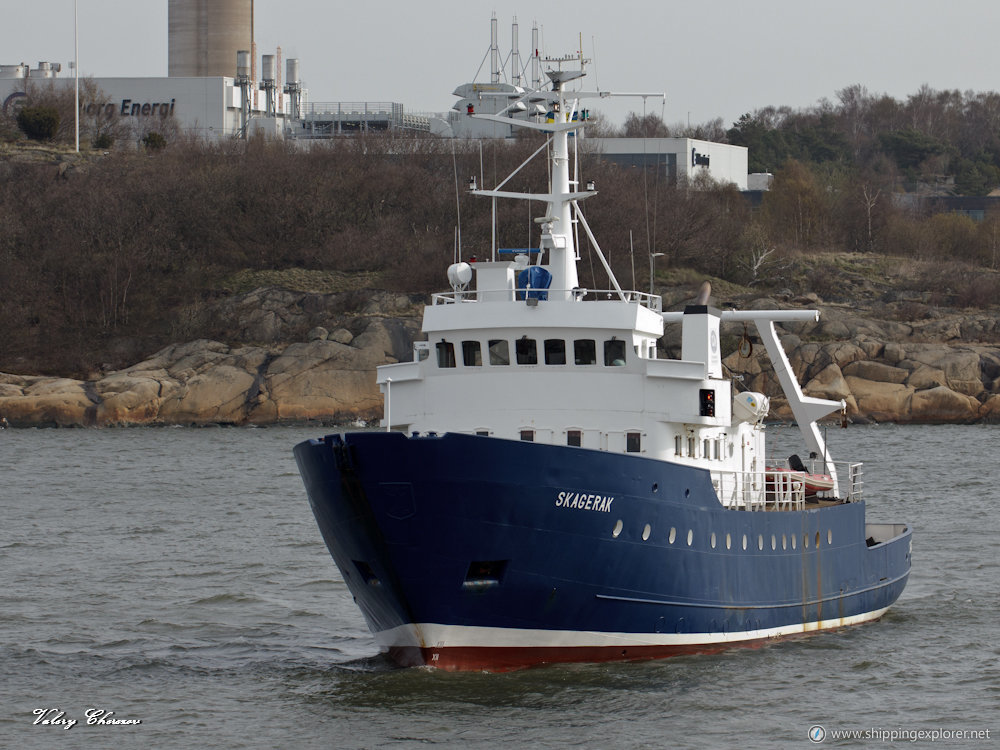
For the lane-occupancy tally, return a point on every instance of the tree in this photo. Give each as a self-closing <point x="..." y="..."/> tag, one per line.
<point x="796" y="208"/>
<point x="645" y="126"/>
<point x="910" y="148"/>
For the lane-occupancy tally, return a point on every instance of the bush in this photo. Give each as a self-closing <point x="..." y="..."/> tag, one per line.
<point x="38" y="123"/>
<point x="104" y="140"/>
<point x="154" y="141"/>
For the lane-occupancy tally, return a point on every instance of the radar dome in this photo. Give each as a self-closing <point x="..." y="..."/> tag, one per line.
<point x="459" y="275"/>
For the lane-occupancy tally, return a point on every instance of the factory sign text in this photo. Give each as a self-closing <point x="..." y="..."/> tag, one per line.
<point x="131" y="108"/>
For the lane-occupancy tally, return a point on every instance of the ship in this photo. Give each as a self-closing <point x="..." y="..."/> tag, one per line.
<point x="546" y="488"/>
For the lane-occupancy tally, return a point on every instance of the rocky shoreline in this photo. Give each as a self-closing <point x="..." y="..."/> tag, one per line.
<point x="944" y="368"/>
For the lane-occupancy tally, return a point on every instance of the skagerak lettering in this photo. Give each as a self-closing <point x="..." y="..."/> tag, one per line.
<point x="583" y="501"/>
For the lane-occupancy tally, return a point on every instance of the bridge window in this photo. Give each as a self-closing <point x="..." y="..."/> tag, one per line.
<point x="614" y="353"/>
<point x="446" y="354"/>
<point x="555" y="352"/>
<point x="527" y="351"/>
<point x="633" y="442"/>
<point x="678" y="442"/>
<point x="574" y="437"/>
<point x="585" y="352"/>
<point x="472" y="355"/>
<point x="499" y="353"/>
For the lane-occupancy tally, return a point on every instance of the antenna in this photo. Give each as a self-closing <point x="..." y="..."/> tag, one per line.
<point x="515" y="56"/>
<point x="536" y="74"/>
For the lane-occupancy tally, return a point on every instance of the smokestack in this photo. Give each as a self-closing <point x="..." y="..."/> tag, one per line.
<point x="205" y="35"/>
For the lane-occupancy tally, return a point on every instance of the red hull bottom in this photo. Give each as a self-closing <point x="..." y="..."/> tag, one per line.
<point x="506" y="659"/>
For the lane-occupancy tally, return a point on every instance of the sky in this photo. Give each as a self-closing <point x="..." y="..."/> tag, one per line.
<point x="717" y="59"/>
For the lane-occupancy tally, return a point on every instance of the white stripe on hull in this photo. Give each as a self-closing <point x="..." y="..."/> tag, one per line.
<point x="434" y="635"/>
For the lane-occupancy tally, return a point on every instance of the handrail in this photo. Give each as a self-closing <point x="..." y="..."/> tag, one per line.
<point x="652" y="301"/>
<point x="777" y="490"/>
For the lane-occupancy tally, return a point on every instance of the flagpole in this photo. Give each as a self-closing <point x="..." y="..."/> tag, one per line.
<point x="76" y="68"/>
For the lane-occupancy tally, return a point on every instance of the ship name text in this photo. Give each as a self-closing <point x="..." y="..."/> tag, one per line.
<point x="583" y="501"/>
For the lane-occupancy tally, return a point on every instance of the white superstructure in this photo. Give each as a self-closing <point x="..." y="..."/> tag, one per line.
<point x="528" y="354"/>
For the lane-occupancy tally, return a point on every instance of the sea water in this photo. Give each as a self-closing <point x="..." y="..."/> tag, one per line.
<point x="168" y="587"/>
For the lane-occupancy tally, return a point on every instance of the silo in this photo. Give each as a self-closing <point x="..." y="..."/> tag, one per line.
<point x="205" y="35"/>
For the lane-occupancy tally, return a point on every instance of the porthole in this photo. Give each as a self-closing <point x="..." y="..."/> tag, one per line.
<point x="729" y="542"/>
<point x="794" y="541"/>
<point x="784" y="542"/>
<point x="744" y="541"/>
<point x="774" y="542"/>
<point x="817" y="540"/>
<point x="805" y="541"/>
<point x="618" y="529"/>
<point x="656" y="486"/>
<point x="829" y="536"/>
<point x="645" y="532"/>
<point x="690" y="537"/>
<point x="673" y="534"/>
<point x="760" y="541"/>
<point x="713" y="540"/>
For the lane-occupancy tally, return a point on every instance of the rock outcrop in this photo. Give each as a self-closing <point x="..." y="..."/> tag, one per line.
<point x="208" y="382"/>
<point x="945" y="369"/>
<point x="886" y="370"/>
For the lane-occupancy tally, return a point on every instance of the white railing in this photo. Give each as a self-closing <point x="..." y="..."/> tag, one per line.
<point x="652" y="301"/>
<point x="780" y="490"/>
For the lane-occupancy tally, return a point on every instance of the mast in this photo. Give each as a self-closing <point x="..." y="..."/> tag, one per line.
<point x="557" y="224"/>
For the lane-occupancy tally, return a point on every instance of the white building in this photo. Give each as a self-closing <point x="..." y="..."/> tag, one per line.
<point x="680" y="158"/>
<point x="207" y="107"/>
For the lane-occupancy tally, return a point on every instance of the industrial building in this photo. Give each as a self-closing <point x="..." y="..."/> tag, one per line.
<point x="214" y="86"/>
<point x="216" y="89"/>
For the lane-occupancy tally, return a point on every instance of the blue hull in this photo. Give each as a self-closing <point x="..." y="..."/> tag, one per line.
<point x="469" y="552"/>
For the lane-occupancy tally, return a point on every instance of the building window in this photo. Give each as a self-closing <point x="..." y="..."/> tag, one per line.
<point x="472" y="355"/>
<point x="446" y="354"/>
<point x="574" y="437"/>
<point x="527" y="351"/>
<point x="614" y="353"/>
<point x="585" y="352"/>
<point x="499" y="353"/>
<point x="555" y="352"/>
<point x="528" y="435"/>
<point x="633" y="442"/>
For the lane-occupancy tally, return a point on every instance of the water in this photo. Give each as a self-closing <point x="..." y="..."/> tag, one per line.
<point x="176" y="576"/>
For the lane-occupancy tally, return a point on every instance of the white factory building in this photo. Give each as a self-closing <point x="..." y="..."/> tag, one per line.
<point x="215" y="88"/>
